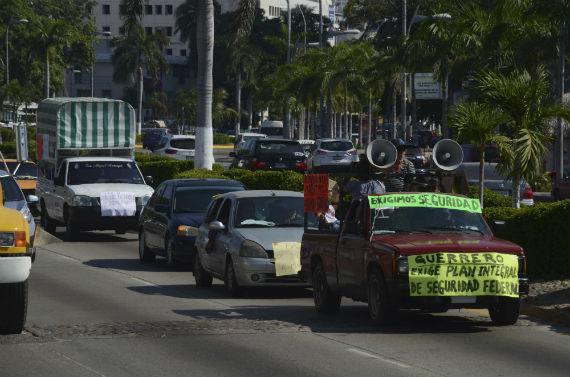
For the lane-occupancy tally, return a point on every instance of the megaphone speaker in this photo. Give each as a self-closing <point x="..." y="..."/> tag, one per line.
<point x="447" y="154"/>
<point x="382" y="154"/>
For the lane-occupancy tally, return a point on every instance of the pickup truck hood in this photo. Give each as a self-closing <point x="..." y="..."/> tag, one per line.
<point x="410" y="244"/>
<point x="94" y="190"/>
<point x="266" y="236"/>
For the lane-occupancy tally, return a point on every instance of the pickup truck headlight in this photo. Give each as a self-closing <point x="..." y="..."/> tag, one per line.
<point x="403" y="266"/>
<point x="81" y="201"/>
<point x="252" y="249"/>
<point x="187" y="230"/>
<point x="7" y="239"/>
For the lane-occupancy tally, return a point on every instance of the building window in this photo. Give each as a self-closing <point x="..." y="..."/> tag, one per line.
<point x="168" y="51"/>
<point x="168" y="9"/>
<point x="158" y="9"/>
<point x="169" y="31"/>
<point x="182" y="52"/>
<point x="148" y="9"/>
<point x="122" y="30"/>
<point x="148" y="30"/>
<point x="106" y="93"/>
<point x="106" y="29"/>
<point x="106" y="9"/>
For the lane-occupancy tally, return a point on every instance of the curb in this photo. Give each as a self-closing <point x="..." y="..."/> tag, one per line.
<point x="550" y="315"/>
<point x="44" y="238"/>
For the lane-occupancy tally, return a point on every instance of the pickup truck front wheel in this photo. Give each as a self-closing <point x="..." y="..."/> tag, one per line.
<point x="14" y="301"/>
<point x="379" y="307"/>
<point x="326" y="302"/>
<point x="506" y="312"/>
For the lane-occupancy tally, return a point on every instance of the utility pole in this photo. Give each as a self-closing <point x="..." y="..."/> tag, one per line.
<point x="560" y="147"/>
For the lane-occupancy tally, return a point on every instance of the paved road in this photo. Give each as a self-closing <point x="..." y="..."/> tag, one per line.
<point x="95" y="310"/>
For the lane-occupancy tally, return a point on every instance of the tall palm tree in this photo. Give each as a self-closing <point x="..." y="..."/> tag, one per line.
<point x="132" y="15"/>
<point x="131" y="53"/>
<point x="476" y="123"/>
<point x="526" y="102"/>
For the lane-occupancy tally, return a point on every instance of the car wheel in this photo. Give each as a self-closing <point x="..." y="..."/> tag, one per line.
<point x="14" y="298"/>
<point x="230" y="281"/>
<point x="145" y="255"/>
<point x="71" y="231"/>
<point x="506" y="312"/>
<point x="47" y="223"/>
<point x="202" y="277"/>
<point x="326" y="302"/>
<point x="171" y="261"/>
<point x="379" y="306"/>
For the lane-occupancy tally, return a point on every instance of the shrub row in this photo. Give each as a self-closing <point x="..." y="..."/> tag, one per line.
<point x="490" y="197"/>
<point x="542" y="230"/>
<point x="223" y="139"/>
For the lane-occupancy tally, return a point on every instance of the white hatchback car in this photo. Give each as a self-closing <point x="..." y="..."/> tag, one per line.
<point x="331" y="155"/>
<point x="177" y="146"/>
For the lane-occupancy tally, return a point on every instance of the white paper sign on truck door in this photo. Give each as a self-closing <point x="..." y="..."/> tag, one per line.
<point x="118" y="204"/>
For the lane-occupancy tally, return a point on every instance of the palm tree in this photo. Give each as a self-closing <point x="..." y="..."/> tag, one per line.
<point x="526" y="102"/>
<point x="132" y="15"/>
<point x="476" y="123"/>
<point x="131" y="53"/>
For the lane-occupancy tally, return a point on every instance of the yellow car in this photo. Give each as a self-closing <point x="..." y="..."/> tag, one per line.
<point x="15" y="266"/>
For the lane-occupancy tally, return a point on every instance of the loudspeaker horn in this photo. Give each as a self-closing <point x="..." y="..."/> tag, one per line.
<point x="447" y="154"/>
<point x="382" y="154"/>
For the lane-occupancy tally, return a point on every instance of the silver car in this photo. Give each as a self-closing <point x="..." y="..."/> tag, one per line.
<point x="235" y="240"/>
<point x="332" y="155"/>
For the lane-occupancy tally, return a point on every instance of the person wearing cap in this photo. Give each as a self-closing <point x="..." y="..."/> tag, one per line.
<point x="402" y="172"/>
<point x="372" y="184"/>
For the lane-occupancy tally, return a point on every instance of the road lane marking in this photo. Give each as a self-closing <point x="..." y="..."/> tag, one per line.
<point x="372" y="356"/>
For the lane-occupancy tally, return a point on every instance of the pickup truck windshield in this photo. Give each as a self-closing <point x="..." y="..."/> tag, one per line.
<point x="86" y="172"/>
<point x="276" y="211"/>
<point x="426" y="220"/>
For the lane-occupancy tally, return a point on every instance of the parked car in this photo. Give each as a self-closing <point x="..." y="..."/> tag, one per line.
<point x="176" y="146"/>
<point x="235" y="241"/>
<point x="332" y="155"/>
<point x="153" y="136"/>
<point x="241" y="139"/>
<point x="169" y="221"/>
<point x="494" y="180"/>
<point x="271" y="154"/>
<point x="416" y="156"/>
<point x="14" y="198"/>
<point x="563" y="190"/>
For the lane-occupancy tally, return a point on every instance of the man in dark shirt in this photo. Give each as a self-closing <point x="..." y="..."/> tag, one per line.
<point x="403" y="171"/>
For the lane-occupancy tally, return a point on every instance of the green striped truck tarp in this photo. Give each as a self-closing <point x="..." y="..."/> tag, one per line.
<point x="83" y="123"/>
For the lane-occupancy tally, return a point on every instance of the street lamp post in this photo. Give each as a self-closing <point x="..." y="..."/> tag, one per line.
<point x="107" y="34"/>
<point x="10" y="23"/>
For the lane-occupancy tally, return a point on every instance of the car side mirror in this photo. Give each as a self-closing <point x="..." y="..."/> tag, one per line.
<point x="162" y="208"/>
<point x="32" y="199"/>
<point x="149" y="180"/>
<point x="498" y="226"/>
<point x="216" y="225"/>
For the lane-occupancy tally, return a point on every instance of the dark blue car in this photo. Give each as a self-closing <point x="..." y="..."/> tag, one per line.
<point x="152" y="137"/>
<point x="169" y="222"/>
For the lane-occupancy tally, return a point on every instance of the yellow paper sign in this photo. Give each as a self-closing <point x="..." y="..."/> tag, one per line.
<point x="287" y="258"/>
<point x="463" y="274"/>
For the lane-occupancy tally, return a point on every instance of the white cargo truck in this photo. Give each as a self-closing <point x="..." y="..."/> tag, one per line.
<point x="90" y="180"/>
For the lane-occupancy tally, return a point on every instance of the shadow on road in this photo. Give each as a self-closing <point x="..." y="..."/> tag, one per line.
<point x="135" y="265"/>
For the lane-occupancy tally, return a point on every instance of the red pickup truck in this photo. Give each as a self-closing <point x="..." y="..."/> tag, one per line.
<point x="425" y="251"/>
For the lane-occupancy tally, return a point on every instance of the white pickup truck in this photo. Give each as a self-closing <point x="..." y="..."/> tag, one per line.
<point x="89" y="180"/>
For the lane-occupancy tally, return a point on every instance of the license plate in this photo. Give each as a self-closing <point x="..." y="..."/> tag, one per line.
<point x="280" y="165"/>
<point x="463" y="299"/>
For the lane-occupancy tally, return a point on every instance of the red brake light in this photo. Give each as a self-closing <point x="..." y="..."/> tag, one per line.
<point x="528" y="193"/>
<point x="258" y="164"/>
<point x="170" y="151"/>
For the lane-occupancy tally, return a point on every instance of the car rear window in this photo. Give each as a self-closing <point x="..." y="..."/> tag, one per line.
<point x="279" y="147"/>
<point x="183" y="143"/>
<point x="337" y="145"/>
<point x="197" y="198"/>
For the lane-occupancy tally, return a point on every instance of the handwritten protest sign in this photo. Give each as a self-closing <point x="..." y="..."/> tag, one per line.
<point x="430" y="200"/>
<point x="118" y="203"/>
<point x="316" y="192"/>
<point x="463" y="274"/>
<point x="287" y="258"/>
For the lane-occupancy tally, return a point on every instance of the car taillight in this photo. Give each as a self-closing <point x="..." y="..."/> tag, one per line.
<point x="301" y="165"/>
<point x="353" y="152"/>
<point x="528" y="193"/>
<point x="258" y="164"/>
<point x="170" y="151"/>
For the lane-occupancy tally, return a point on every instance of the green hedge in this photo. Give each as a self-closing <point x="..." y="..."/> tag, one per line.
<point x="7" y="134"/>
<point x="542" y="230"/>
<point x="162" y="168"/>
<point x="490" y="198"/>
<point x="223" y="139"/>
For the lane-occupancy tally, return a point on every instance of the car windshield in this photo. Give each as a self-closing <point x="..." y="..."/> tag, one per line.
<point x="426" y="220"/>
<point x="272" y="131"/>
<point x="279" y="147"/>
<point x="275" y="211"/>
<point x="25" y="170"/>
<point x="85" y="172"/>
<point x="11" y="189"/>
<point x="337" y="145"/>
<point x="197" y="198"/>
<point x="183" y="143"/>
